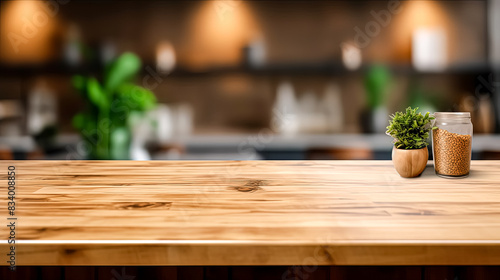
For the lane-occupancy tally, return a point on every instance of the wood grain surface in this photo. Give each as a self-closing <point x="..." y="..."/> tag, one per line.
<point x="250" y="213"/>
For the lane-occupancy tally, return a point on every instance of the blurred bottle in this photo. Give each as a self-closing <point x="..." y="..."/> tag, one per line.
<point x="332" y="108"/>
<point x="284" y="113"/>
<point x="184" y="119"/>
<point x="165" y="123"/>
<point x="310" y="116"/>
<point x="255" y="52"/>
<point x="485" y="115"/>
<point x="42" y="114"/>
<point x="73" y="54"/>
<point x="481" y="109"/>
<point x="142" y="131"/>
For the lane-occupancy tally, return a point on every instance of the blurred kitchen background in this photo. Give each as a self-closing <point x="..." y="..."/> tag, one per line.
<point x="232" y="79"/>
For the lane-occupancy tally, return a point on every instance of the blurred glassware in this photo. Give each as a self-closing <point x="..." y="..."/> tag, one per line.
<point x="310" y="116"/>
<point x="165" y="123"/>
<point x="255" y="52"/>
<point x="452" y="144"/>
<point x="284" y="113"/>
<point x="42" y="115"/>
<point x="183" y="119"/>
<point x="484" y="116"/>
<point x="42" y="108"/>
<point x="480" y="109"/>
<point x="429" y="49"/>
<point x="142" y="128"/>
<point x="163" y="126"/>
<point x="333" y="109"/>
<point x="379" y="120"/>
<point x="73" y="53"/>
<point x="351" y="56"/>
<point x="165" y="57"/>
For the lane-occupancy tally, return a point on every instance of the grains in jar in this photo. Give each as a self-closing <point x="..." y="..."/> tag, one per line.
<point x="451" y="144"/>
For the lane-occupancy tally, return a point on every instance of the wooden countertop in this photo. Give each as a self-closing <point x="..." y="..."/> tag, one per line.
<point x="250" y="213"/>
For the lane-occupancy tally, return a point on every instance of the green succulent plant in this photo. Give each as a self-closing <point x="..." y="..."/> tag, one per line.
<point x="410" y="130"/>
<point x="105" y="122"/>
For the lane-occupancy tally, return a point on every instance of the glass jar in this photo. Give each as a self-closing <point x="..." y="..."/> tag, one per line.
<point x="452" y="144"/>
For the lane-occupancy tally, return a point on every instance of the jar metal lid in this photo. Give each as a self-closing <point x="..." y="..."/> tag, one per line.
<point x="452" y="114"/>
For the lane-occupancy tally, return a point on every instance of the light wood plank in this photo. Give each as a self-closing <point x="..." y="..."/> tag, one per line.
<point x="251" y="213"/>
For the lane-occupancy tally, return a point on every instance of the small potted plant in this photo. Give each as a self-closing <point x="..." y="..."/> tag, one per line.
<point x="410" y="131"/>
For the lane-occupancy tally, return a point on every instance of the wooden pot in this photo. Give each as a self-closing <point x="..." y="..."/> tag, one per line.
<point x="409" y="163"/>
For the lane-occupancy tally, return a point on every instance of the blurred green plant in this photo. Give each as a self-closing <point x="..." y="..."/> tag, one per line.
<point x="377" y="82"/>
<point x="424" y="98"/>
<point x="105" y="124"/>
<point x="410" y="130"/>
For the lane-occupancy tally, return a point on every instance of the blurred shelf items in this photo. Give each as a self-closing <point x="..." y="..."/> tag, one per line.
<point x="240" y="79"/>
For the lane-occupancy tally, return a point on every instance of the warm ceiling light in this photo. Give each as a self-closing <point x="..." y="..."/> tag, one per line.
<point x="424" y="14"/>
<point x="417" y="15"/>
<point x="26" y="30"/>
<point x="219" y="31"/>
